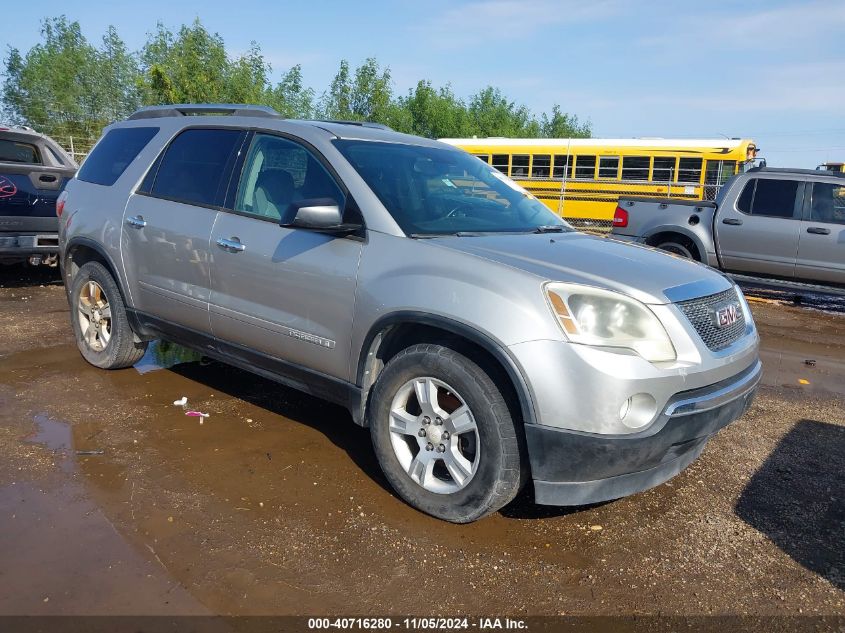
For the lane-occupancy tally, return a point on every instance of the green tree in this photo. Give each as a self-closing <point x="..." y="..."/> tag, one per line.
<point x="435" y="113"/>
<point x="563" y="125"/>
<point x="54" y="87"/>
<point x="290" y="97"/>
<point x="491" y="114"/>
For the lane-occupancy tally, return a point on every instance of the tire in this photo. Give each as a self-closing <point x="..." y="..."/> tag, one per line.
<point x="99" y="320"/>
<point x="677" y="248"/>
<point x="493" y="447"/>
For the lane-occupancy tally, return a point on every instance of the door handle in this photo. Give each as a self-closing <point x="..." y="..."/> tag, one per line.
<point x="817" y="230"/>
<point x="732" y="221"/>
<point x="233" y="245"/>
<point x="136" y="221"/>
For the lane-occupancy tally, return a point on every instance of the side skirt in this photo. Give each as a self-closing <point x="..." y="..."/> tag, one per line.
<point x="289" y="374"/>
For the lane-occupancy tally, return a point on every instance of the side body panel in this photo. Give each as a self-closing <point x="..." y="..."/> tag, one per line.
<point x="289" y="294"/>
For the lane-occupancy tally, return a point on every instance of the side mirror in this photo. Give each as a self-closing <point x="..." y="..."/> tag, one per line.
<point x="318" y="214"/>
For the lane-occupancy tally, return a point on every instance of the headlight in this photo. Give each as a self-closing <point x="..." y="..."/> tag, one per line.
<point x="593" y="316"/>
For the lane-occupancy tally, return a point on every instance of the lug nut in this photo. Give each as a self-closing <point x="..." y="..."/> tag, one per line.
<point x="445" y="435"/>
<point x="441" y="448"/>
<point x="429" y="446"/>
<point x="421" y="432"/>
<point x="426" y="420"/>
<point x="438" y="421"/>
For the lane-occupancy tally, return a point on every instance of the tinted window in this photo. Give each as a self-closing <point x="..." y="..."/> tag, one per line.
<point x="519" y="165"/>
<point x="113" y="154"/>
<point x="609" y="167"/>
<point x="500" y="162"/>
<point x="540" y="166"/>
<point x="635" y="167"/>
<point x="689" y="169"/>
<point x="585" y="167"/>
<point x="16" y="152"/>
<point x="433" y="191"/>
<point x="193" y="166"/>
<point x="561" y="167"/>
<point x="278" y="172"/>
<point x="664" y="169"/>
<point x="743" y="203"/>
<point x="828" y="203"/>
<point x="774" y="198"/>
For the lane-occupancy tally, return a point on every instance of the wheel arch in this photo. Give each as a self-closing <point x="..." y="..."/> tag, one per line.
<point x="81" y="250"/>
<point x="660" y="235"/>
<point x="396" y="331"/>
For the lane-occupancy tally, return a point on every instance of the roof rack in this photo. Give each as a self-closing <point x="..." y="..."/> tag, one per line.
<point x="795" y="170"/>
<point x="189" y="109"/>
<point x="377" y="126"/>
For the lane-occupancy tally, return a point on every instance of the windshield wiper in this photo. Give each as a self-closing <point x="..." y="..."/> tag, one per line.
<point x="550" y="228"/>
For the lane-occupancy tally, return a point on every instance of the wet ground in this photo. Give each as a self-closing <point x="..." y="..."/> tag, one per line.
<point x="113" y="501"/>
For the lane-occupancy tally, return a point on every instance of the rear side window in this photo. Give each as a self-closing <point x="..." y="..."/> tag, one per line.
<point x="17" y="152"/>
<point x="113" y="154"/>
<point x="664" y="169"/>
<point x="540" y="166"/>
<point x="769" y="197"/>
<point x="500" y="162"/>
<point x="193" y="167"/>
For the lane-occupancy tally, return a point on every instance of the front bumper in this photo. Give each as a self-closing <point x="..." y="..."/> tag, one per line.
<point x="577" y="468"/>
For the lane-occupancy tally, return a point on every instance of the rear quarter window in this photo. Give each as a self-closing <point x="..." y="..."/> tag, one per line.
<point x="114" y="153"/>
<point x="17" y="152"/>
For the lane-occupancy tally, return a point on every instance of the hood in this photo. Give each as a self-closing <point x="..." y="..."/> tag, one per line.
<point x="646" y="274"/>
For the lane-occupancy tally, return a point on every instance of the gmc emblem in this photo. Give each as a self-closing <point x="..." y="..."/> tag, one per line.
<point x="726" y="315"/>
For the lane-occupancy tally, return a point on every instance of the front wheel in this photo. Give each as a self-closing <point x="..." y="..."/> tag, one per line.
<point x="100" y="324"/>
<point x="444" y="435"/>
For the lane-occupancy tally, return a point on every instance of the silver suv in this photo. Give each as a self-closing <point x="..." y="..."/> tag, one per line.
<point x="481" y="339"/>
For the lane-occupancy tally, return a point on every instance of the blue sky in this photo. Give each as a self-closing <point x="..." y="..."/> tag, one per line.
<point x="773" y="71"/>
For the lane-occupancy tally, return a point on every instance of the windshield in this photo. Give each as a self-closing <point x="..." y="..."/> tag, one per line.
<point x="432" y="191"/>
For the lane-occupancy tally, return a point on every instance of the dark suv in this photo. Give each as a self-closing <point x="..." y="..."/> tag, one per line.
<point x="33" y="173"/>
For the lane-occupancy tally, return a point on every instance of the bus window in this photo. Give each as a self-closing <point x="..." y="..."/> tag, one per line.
<point x="718" y="171"/>
<point x="561" y="167"/>
<point x="540" y="166"/>
<point x="519" y="165"/>
<point x="689" y="169"/>
<point x="585" y="167"/>
<point x="664" y="169"/>
<point x="482" y="157"/>
<point x="609" y="167"/>
<point x="635" y="167"/>
<point x="500" y="162"/>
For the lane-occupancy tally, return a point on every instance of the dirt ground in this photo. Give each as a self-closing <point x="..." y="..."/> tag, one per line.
<point x="113" y="501"/>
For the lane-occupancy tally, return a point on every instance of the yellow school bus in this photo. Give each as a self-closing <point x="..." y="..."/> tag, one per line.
<point x="581" y="179"/>
<point x="839" y="167"/>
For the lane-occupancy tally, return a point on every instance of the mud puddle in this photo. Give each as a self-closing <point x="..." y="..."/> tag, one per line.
<point x="61" y="552"/>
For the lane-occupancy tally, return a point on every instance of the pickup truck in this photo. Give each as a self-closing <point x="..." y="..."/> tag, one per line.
<point x="787" y="225"/>
<point x="33" y="172"/>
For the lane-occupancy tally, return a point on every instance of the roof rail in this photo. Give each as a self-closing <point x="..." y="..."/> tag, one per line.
<point x="188" y="109"/>
<point x="377" y="126"/>
<point x="795" y="170"/>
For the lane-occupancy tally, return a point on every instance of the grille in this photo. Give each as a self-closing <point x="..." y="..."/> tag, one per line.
<point x="700" y="313"/>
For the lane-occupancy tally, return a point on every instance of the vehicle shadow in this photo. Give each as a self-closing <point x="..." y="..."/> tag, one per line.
<point x="23" y="276"/>
<point x="797" y="498"/>
<point x="331" y="420"/>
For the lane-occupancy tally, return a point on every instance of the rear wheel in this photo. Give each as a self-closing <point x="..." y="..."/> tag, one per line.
<point x="100" y="324"/>
<point x="444" y="435"/>
<point x="679" y="247"/>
